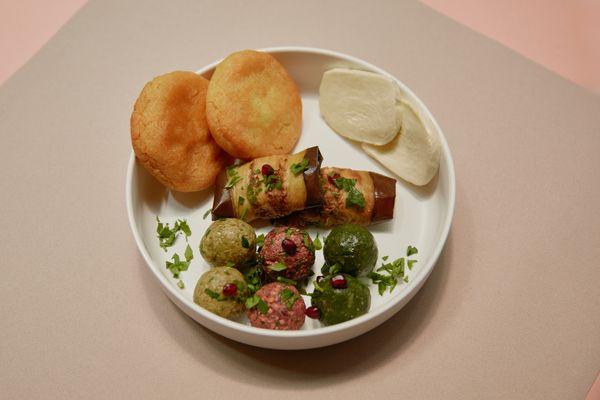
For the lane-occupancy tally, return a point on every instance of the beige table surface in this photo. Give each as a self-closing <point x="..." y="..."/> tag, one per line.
<point x="512" y="310"/>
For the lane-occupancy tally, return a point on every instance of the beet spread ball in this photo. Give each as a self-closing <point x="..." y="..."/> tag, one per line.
<point x="288" y="252"/>
<point x="280" y="307"/>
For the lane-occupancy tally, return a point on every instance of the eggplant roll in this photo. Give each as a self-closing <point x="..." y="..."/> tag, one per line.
<point x="349" y="197"/>
<point x="269" y="187"/>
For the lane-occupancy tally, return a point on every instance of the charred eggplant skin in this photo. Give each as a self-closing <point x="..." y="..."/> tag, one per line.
<point x="384" y="189"/>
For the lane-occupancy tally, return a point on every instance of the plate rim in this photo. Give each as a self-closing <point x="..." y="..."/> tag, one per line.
<point x="413" y="286"/>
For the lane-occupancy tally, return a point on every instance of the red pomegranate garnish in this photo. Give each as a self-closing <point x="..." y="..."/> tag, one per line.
<point x="339" y="282"/>
<point x="289" y="246"/>
<point x="312" y="312"/>
<point x="332" y="178"/>
<point x="267" y="170"/>
<point x="230" y="289"/>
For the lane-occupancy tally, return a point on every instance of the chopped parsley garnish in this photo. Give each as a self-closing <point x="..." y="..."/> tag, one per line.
<point x="245" y="243"/>
<point x="288" y="297"/>
<point x="260" y="240"/>
<point x="383" y="282"/>
<point x="272" y="182"/>
<point x="330" y="270"/>
<point x="213" y="295"/>
<point x="189" y="254"/>
<point x="262" y="307"/>
<point x="385" y="258"/>
<point x="180" y="284"/>
<point x="410" y="250"/>
<point x="391" y="272"/>
<point x="256" y="301"/>
<point x="307" y="242"/>
<point x="251" y="194"/>
<point x="317" y="286"/>
<point x="230" y="264"/>
<point x="241" y="201"/>
<point x="288" y="232"/>
<point x="317" y="242"/>
<point x="177" y="266"/>
<point x="253" y="279"/>
<point x="286" y="280"/>
<point x="394" y="271"/>
<point x="206" y="214"/>
<point x="167" y="236"/>
<point x="233" y="177"/>
<point x="300" y="167"/>
<point x="277" y="266"/>
<point x="355" y="197"/>
<point x="185" y="228"/>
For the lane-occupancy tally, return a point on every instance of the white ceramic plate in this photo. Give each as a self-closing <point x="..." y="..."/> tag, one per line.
<point x="422" y="215"/>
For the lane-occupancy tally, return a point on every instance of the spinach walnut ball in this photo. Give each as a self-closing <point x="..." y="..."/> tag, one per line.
<point x="339" y="298"/>
<point x="227" y="241"/>
<point x="353" y="248"/>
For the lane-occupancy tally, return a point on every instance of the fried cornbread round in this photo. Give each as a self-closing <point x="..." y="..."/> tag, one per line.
<point x="253" y="107"/>
<point x="170" y="134"/>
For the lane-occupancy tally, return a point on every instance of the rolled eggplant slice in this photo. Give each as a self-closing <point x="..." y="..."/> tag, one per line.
<point x="349" y="196"/>
<point x="269" y="187"/>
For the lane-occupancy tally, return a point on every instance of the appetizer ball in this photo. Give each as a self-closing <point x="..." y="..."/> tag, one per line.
<point x="170" y="136"/>
<point x="287" y="252"/>
<point x="228" y="240"/>
<point x="282" y="308"/>
<point x="352" y="247"/>
<point x="221" y="290"/>
<point x="253" y="106"/>
<point x="340" y="298"/>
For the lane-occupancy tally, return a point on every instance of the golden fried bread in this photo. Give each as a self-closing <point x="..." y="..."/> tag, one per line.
<point x="253" y="107"/>
<point x="170" y="134"/>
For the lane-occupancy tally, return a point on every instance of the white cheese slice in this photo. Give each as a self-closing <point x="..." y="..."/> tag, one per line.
<point x="413" y="155"/>
<point x="360" y="105"/>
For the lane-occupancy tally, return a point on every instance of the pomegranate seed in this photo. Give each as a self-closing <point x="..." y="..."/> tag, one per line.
<point x="339" y="282"/>
<point x="319" y="278"/>
<point x="229" y="289"/>
<point x="289" y="246"/>
<point x="267" y="170"/>
<point x="332" y="178"/>
<point x="312" y="312"/>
